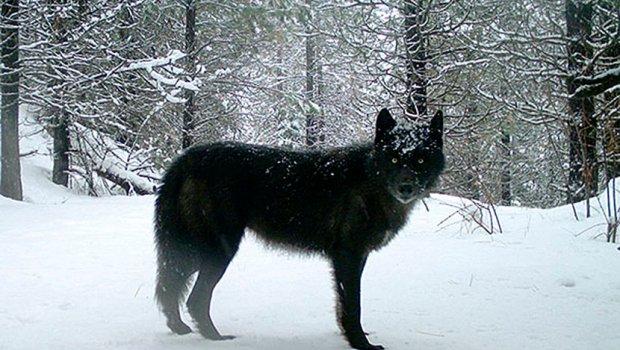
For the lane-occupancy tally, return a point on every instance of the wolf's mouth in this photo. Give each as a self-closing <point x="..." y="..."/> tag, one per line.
<point x="406" y="199"/>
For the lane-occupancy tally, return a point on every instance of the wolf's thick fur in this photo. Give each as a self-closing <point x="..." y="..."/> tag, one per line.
<point x="343" y="204"/>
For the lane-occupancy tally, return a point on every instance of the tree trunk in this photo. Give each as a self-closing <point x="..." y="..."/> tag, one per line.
<point x="416" y="59"/>
<point x="190" y="50"/>
<point x="314" y="129"/>
<point x="506" y="176"/>
<point x="128" y="114"/>
<point x="583" y="173"/>
<point x="10" y="178"/>
<point x="60" y="116"/>
<point x="611" y="128"/>
<point x="62" y="147"/>
<point x="473" y="186"/>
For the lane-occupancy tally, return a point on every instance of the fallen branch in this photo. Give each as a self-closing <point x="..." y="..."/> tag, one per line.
<point x="126" y="183"/>
<point x="107" y="160"/>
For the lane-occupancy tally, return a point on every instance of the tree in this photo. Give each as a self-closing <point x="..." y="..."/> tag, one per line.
<point x="582" y="125"/>
<point x="607" y="81"/>
<point x="64" y="19"/>
<point x="416" y="56"/>
<point x="10" y="177"/>
<point x="315" y="136"/>
<point x="190" y="51"/>
<point x="506" y="160"/>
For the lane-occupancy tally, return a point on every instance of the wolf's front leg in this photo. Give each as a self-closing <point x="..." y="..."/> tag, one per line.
<point x="348" y="267"/>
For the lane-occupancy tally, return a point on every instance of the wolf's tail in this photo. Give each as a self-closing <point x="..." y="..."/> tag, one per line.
<point x="175" y="261"/>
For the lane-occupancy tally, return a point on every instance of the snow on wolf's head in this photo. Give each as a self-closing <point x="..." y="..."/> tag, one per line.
<point x="408" y="157"/>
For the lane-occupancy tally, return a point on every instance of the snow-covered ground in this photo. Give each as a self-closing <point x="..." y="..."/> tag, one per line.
<point x="78" y="272"/>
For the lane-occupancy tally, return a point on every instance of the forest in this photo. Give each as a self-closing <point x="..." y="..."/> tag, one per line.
<point x="479" y="138"/>
<point x="529" y="88"/>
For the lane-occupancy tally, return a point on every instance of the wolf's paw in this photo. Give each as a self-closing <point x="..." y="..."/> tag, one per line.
<point x="220" y="337"/>
<point x="369" y="347"/>
<point x="212" y="334"/>
<point x="179" y="328"/>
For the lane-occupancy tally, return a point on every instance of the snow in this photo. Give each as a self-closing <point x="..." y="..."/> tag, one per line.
<point x="78" y="273"/>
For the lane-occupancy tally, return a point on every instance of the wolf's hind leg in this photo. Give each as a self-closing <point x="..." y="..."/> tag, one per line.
<point x="171" y="287"/>
<point x="215" y="262"/>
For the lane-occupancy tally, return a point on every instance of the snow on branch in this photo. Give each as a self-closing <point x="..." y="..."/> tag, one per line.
<point x="113" y="163"/>
<point x="162" y="72"/>
<point x="127" y="180"/>
<point x="598" y="84"/>
<point x="169" y="77"/>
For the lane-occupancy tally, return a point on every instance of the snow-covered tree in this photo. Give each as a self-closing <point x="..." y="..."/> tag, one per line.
<point x="10" y="174"/>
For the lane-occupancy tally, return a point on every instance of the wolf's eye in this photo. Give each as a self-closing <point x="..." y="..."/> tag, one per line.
<point x="394" y="160"/>
<point x="420" y="161"/>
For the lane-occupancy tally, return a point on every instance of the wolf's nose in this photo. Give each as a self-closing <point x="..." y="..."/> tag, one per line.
<point x="405" y="189"/>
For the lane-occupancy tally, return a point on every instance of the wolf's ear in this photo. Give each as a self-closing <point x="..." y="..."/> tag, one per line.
<point x="436" y="127"/>
<point x="385" y="124"/>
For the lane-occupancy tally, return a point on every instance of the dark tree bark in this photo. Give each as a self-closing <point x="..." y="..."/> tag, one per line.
<point x="190" y="49"/>
<point x="473" y="186"/>
<point x="61" y="147"/>
<point x="60" y="116"/>
<point x="583" y="173"/>
<point x="611" y="127"/>
<point x="506" y="176"/>
<point x="314" y="128"/>
<point x="128" y="114"/>
<point x="279" y="72"/>
<point x="416" y="59"/>
<point x="10" y="179"/>
<point x="612" y="136"/>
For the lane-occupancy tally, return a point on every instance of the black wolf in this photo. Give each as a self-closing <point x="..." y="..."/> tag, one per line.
<point x="342" y="204"/>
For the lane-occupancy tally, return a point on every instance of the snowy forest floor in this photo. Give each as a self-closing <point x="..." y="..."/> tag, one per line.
<point x="78" y="273"/>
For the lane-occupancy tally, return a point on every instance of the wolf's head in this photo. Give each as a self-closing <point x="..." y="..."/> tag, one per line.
<point x="409" y="158"/>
